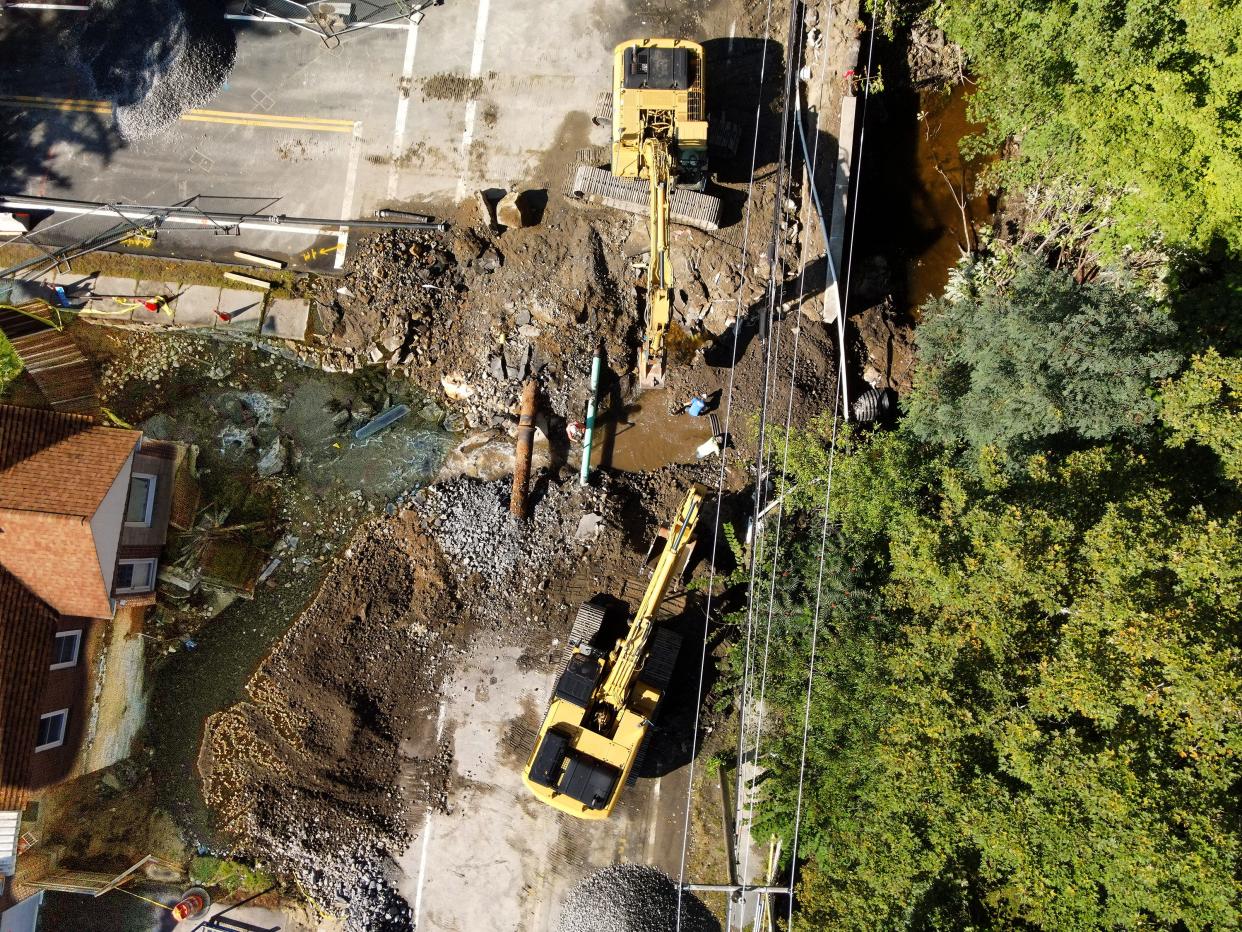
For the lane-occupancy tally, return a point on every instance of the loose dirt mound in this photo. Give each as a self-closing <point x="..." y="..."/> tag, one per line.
<point x="308" y="773"/>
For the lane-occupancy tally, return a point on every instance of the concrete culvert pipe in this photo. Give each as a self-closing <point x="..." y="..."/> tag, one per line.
<point x="632" y="898"/>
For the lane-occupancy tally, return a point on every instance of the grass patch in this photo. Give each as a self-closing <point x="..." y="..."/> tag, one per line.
<point x="155" y="268"/>
<point x="229" y="876"/>
<point x="10" y="364"/>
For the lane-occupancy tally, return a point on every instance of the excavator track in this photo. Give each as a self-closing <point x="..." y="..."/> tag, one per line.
<point x="657" y="672"/>
<point x="586" y="625"/>
<point x="661" y="659"/>
<point x="687" y="207"/>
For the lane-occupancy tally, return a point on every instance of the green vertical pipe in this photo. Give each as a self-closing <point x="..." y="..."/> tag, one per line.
<point x="597" y="364"/>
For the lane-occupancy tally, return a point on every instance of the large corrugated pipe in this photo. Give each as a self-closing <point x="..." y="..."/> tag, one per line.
<point x="525" y="446"/>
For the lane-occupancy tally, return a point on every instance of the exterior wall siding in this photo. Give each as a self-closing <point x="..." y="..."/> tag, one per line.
<point x="107" y="522"/>
<point x="71" y="688"/>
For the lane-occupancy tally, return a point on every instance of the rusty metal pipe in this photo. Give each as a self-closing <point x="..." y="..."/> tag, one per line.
<point x="525" y="445"/>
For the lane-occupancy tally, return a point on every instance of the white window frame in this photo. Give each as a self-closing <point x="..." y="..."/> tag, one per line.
<point x="77" y="648"/>
<point x="134" y="562"/>
<point x="148" y="511"/>
<point x="64" y="729"/>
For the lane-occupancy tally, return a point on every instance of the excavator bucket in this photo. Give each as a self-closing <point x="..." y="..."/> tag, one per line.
<point x="687" y="207"/>
<point x="650" y="371"/>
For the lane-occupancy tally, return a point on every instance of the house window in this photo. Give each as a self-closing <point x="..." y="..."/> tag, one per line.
<point x="135" y="576"/>
<point x="65" y="653"/>
<point x="141" y="500"/>
<point x="52" y="729"/>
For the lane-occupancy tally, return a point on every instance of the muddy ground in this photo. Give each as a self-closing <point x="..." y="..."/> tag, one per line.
<point x="323" y="772"/>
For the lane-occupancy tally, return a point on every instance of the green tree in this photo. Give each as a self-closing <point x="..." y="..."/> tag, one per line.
<point x="1133" y="97"/>
<point x="10" y="363"/>
<point x="1026" y="713"/>
<point x="1012" y="358"/>
<point x="1204" y="405"/>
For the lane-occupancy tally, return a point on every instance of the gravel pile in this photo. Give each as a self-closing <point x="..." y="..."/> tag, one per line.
<point x="155" y="59"/>
<point x="632" y="898"/>
<point x="471" y="522"/>
<point x="351" y="877"/>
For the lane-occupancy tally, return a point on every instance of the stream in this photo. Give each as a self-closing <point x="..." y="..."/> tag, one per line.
<point x="915" y="193"/>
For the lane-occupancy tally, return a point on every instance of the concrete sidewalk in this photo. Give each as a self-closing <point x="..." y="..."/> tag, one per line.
<point x="123" y="302"/>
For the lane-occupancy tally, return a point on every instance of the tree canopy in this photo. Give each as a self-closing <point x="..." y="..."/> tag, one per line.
<point x="1015" y="357"/>
<point x="1136" y="97"/>
<point x="1027" y="710"/>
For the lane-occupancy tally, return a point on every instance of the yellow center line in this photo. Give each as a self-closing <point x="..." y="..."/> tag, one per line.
<point x="230" y="117"/>
<point x="271" y="122"/>
<point x="274" y="116"/>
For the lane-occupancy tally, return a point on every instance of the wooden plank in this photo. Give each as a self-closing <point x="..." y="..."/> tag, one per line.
<point x="259" y="260"/>
<point x="247" y="280"/>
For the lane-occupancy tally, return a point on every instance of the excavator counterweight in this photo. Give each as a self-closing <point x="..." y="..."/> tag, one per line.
<point x="606" y="697"/>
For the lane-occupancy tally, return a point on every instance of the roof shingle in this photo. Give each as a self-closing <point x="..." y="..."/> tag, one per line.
<point x="58" y="463"/>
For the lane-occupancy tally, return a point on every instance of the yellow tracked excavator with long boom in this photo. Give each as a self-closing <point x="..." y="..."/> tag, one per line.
<point x="658" y="167"/>
<point x="606" y="697"/>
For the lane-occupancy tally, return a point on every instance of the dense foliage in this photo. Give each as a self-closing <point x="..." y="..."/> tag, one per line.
<point x="1016" y="358"/>
<point x="1026" y="711"/>
<point x="1136" y="97"/>
<point x="10" y="363"/>
<point x="1027" y="704"/>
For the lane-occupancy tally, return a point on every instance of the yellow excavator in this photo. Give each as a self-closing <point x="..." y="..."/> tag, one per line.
<point x="659" y="136"/>
<point x="607" y="696"/>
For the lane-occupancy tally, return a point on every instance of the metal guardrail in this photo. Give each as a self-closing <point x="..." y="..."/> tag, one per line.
<point x="331" y="21"/>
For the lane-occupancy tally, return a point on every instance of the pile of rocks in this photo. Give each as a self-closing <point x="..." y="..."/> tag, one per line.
<point x="471" y="522"/>
<point x="633" y="898"/>
<point x="350" y="876"/>
<point x="154" y="59"/>
<point x="384" y="312"/>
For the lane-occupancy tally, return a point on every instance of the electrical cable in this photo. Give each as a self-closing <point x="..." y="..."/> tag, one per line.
<point x="810" y="674"/>
<point x="772" y="348"/>
<point x="711" y="583"/>
<point x="832" y="449"/>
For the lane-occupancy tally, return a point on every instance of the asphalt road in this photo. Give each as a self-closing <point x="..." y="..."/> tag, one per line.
<point x="398" y="115"/>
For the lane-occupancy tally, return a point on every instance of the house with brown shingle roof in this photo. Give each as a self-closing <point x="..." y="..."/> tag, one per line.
<point x="84" y="512"/>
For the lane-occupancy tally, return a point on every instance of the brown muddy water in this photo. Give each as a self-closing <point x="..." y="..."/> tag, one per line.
<point x="952" y="206"/>
<point x="914" y="189"/>
<point x="646" y="435"/>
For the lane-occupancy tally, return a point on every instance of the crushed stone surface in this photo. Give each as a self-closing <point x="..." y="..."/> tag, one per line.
<point x="154" y="59"/>
<point x="633" y="898"/>
<point x="471" y="522"/>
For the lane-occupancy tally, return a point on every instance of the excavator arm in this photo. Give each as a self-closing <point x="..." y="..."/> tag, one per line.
<point x="651" y="356"/>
